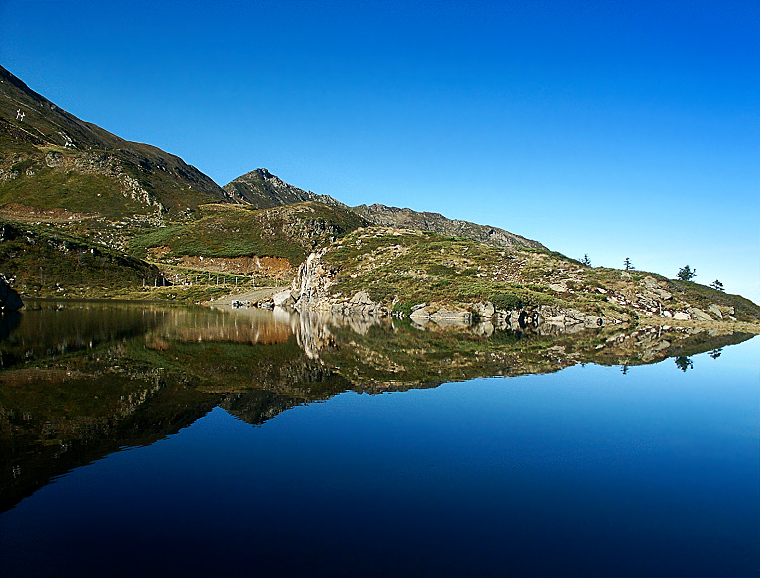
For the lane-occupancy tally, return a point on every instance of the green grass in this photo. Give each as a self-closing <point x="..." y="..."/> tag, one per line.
<point x="76" y="192"/>
<point x="428" y="267"/>
<point x="46" y="263"/>
<point x="235" y="231"/>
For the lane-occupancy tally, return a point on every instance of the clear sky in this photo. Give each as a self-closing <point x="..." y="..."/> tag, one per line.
<point x="613" y="128"/>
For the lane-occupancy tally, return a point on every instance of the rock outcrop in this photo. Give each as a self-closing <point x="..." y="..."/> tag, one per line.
<point x="310" y="291"/>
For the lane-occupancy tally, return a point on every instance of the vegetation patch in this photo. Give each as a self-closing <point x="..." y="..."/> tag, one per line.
<point x="290" y="232"/>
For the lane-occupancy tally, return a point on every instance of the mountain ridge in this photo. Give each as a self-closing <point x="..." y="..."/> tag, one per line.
<point x="264" y="190"/>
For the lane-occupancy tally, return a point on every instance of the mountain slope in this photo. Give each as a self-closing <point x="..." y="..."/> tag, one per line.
<point x="51" y="159"/>
<point x="225" y="231"/>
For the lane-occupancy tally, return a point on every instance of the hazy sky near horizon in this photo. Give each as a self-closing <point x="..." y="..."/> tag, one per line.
<point x="613" y="128"/>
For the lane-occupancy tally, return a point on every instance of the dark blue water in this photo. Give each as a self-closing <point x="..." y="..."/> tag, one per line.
<point x="584" y="472"/>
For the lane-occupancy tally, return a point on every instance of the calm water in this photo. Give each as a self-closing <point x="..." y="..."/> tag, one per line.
<point x="149" y="441"/>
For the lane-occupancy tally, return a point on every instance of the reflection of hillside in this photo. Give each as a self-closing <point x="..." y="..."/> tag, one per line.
<point x="46" y="431"/>
<point x="250" y="327"/>
<point x="88" y="379"/>
<point x="400" y="357"/>
<point x="48" y="329"/>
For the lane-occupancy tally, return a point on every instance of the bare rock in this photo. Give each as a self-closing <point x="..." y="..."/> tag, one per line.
<point x="699" y="315"/>
<point x="283" y="299"/>
<point x="715" y="310"/>
<point x="483" y="310"/>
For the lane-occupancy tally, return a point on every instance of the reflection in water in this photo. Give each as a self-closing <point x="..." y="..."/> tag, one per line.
<point x="82" y="379"/>
<point x="600" y="469"/>
<point x="683" y="363"/>
<point x="9" y="320"/>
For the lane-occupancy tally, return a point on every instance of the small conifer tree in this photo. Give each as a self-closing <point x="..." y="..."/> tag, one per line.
<point x="717" y="285"/>
<point x="687" y="273"/>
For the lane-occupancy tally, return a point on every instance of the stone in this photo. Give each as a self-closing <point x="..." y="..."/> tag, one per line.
<point x="361" y="298"/>
<point x="464" y="317"/>
<point x="420" y="315"/>
<point x="283" y="298"/>
<point x="483" y="310"/>
<point x="699" y="315"/>
<point x="715" y="310"/>
<point x="681" y="315"/>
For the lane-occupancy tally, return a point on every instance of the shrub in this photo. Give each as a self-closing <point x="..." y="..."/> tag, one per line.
<point x="506" y="302"/>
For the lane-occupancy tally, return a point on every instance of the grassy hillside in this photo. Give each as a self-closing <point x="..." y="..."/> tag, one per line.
<point x="44" y="262"/>
<point x="402" y="268"/>
<point x="45" y="147"/>
<point x="222" y="230"/>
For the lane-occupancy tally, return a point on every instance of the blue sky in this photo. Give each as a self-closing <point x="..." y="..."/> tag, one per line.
<point x="618" y="129"/>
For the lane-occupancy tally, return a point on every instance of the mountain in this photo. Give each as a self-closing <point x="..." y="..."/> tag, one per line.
<point x="263" y="190"/>
<point x="85" y="213"/>
<point x="51" y="159"/>
<point x="434" y="222"/>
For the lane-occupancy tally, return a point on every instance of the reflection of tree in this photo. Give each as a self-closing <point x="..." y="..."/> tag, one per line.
<point x="684" y="363"/>
<point x="715" y="353"/>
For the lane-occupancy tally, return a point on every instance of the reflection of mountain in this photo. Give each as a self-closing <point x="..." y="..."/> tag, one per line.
<point x="53" y="328"/>
<point x="88" y="379"/>
<point x="9" y="320"/>
<point x="57" y="421"/>
<point x="219" y="326"/>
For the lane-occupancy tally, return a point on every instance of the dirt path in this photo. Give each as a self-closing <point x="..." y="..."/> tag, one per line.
<point x="252" y="296"/>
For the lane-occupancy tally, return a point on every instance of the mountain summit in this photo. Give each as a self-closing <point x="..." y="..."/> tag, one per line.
<point x="263" y="190"/>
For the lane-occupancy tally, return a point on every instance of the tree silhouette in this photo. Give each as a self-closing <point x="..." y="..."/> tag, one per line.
<point x="684" y="363"/>
<point x="717" y="285"/>
<point x="687" y="273"/>
<point x="628" y="265"/>
<point x="586" y="261"/>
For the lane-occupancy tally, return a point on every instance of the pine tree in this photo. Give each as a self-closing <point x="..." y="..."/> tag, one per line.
<point x="717" y="285"/>
<point x="687" y="273"/>
<point x="628" y="265"/>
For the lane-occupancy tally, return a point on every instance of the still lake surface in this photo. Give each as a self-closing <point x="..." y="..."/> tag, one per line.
<point x="141" y="440"/>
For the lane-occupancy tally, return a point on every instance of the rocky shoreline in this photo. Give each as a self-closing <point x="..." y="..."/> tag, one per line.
<point x="311" y="291"/>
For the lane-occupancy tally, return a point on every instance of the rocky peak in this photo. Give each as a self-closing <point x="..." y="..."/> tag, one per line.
<point x="264" y="190"/>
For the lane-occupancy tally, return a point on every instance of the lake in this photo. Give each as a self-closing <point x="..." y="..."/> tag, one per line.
<point x="150" y="440"/>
